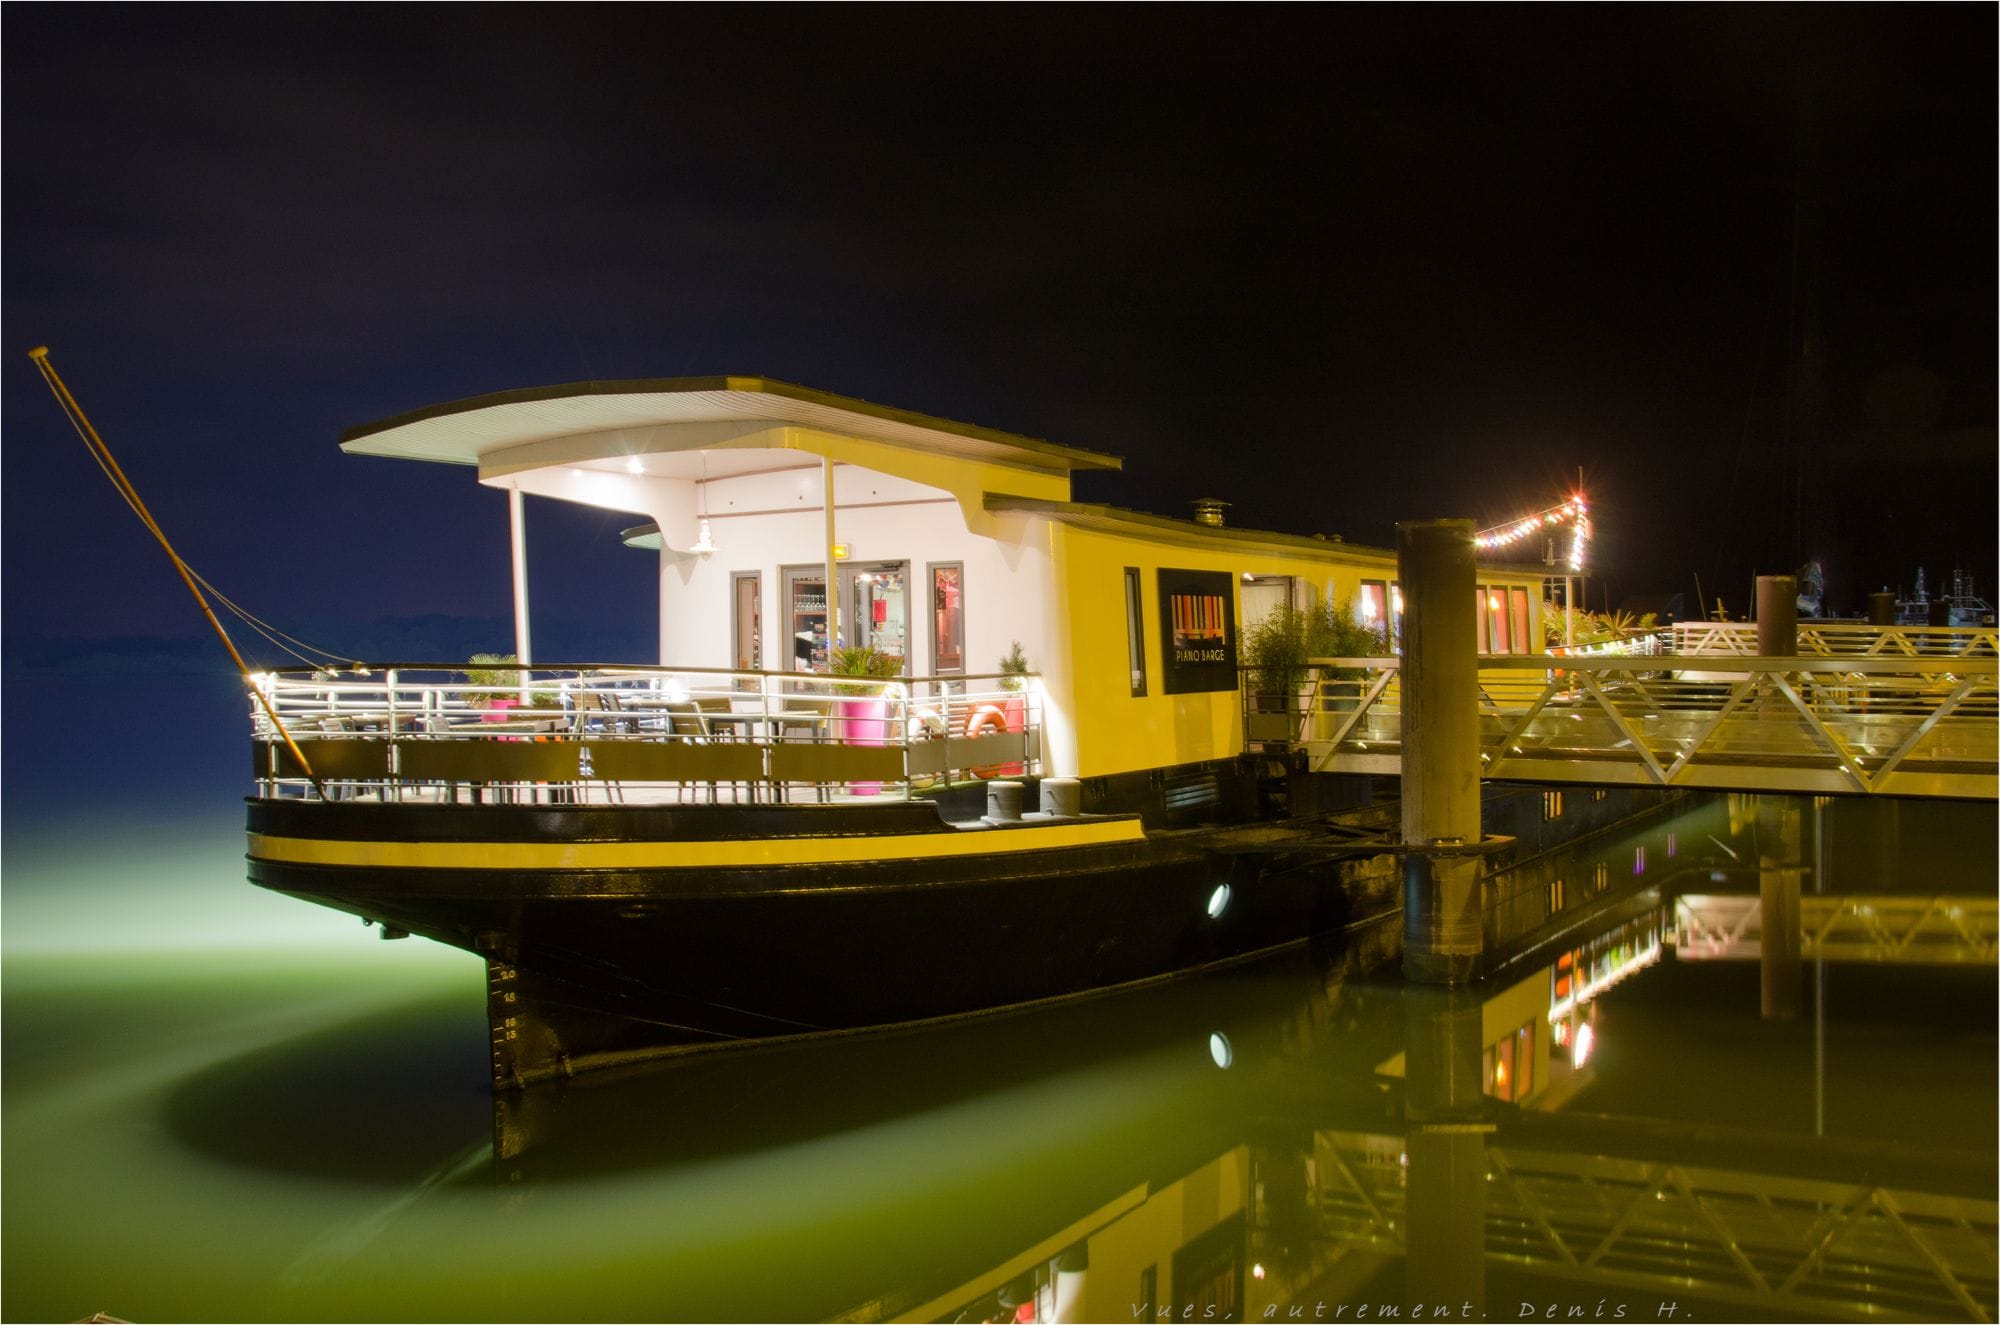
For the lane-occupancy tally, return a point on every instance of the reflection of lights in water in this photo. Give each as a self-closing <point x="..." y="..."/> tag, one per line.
<point x="1586" y="1040"/>
<point x="1218" y="901"/>
<point x="1219" y="1050"/>
<point x="1602" y="963"/>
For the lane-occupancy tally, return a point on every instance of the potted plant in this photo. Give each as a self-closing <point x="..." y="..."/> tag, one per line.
<point x="1337" y="632"/>
<point x="1274" y="662"/>
<point x="488" y="670"/>
<point x="864" y="711"/>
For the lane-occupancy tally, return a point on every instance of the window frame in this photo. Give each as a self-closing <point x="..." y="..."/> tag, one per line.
<point x="756" y="579"/>
<point x="931" y="569"/>
<point x="1135" y="629"/>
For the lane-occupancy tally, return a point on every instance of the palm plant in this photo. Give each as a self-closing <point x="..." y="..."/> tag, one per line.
<point x="863" y="660"/>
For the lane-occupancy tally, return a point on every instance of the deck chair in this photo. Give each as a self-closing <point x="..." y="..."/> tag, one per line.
<point x="803" y="718"/>
<point x="684" y="723"/>
<point x="592" y="714"/>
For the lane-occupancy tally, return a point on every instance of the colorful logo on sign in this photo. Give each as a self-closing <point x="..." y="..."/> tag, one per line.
<point x="1198" y="615"/>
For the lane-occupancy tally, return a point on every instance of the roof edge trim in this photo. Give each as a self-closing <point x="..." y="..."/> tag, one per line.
<point x="1190" y="533"/>
<point x="1067" y="457"/>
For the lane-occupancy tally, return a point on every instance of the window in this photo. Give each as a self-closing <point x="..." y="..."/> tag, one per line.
<point x="1496" y="636"/>
<point x="1517" y="611"/>
<point x="1265" y="594"/>
<point x="1524" y="1061"/>
<point x="1480" y="614"/>
<point x="1508" y="1068"/>
<point x="1135" y="630"/>
<point x="1373" y="607"/>
<point x="947" y="617"/>
<point x="746" y="624"/>
<point x="1552" y="805"/>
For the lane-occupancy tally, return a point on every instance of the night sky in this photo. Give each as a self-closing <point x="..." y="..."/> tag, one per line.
<point x="1340" y="266"/>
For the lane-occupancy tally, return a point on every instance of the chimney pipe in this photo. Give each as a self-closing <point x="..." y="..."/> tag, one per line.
<point x="1208" y="510"/>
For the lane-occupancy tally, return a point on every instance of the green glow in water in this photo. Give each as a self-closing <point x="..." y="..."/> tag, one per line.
<point x="223" y="1105"/>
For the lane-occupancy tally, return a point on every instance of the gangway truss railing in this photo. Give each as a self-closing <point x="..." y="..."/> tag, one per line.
<point x="1899" y="725"/>
<point x="1868" y="928"/>
<point x="1834" y="639"/>
<point x="443" y="733"/>
<point x="1808" y="1247"/>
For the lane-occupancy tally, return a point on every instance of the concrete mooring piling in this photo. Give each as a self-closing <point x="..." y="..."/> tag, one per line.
<point x="1882" y="608"/>
<point x="1777" y="616"/>
<point x="1779" y="875"/>
<point x="1445" y="1110"/>
<point x="1440" y="786"/>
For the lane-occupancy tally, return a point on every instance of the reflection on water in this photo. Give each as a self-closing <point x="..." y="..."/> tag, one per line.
<point x="1614" y="1120"/>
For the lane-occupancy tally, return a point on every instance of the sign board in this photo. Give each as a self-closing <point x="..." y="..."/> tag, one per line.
<point x="1197" y="630"/>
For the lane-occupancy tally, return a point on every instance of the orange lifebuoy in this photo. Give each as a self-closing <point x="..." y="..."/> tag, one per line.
<point x="983" y="717"/>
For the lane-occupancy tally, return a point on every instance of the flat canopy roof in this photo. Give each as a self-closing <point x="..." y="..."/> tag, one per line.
<point x="464" y="432"/>
<point x="1190" y="533"/>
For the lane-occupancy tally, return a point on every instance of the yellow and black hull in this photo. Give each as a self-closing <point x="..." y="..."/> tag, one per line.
<point x="617" y="932"/>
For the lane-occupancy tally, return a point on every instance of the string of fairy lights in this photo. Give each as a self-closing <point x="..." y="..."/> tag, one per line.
<point x="1572" y="513"/>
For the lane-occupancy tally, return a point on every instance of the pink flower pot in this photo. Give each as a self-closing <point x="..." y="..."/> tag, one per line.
<point x="864" y="722"/>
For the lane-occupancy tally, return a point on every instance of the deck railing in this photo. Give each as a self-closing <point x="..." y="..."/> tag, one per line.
<point x="1905" y="725"/>
<point x="582" y="734"/>
<point x="1842" y="639"/>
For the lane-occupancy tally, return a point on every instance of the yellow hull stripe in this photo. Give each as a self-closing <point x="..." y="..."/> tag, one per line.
<point x="673" y="855"/>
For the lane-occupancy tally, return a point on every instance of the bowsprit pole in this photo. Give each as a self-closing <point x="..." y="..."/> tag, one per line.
<point x="109" y="463"/>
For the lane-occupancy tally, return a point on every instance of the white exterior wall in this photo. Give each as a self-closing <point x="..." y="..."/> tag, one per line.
<point x="762" y="522"/>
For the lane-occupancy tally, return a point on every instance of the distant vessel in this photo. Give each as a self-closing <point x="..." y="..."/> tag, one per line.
<point x="1961" y="607"/>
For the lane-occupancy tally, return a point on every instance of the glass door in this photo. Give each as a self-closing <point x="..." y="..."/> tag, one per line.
<point x="875" y="606"/>
<point x="805" y="618"/>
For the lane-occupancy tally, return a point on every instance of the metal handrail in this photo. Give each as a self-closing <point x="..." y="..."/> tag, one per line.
<point x="396" y="707"/>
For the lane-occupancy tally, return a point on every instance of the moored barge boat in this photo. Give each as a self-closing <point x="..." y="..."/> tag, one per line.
<point x="772" y="831"/>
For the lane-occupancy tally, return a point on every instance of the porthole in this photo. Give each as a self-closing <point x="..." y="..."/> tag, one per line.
<point x="1218" y="901"/>
<point x="1219" y="1050"/>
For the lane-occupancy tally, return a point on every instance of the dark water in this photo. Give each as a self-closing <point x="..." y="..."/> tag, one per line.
<point x="223" y="1106"/>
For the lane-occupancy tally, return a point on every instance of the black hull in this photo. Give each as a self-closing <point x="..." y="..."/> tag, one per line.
<point x="598" y="965"/>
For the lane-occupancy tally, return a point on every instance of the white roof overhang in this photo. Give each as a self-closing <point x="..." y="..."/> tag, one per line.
<point x="611" y="421"/>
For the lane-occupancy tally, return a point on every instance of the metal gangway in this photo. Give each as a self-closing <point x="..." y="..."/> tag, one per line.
<point x="1861" y="711"/>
